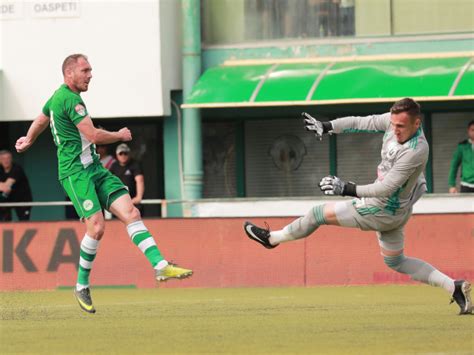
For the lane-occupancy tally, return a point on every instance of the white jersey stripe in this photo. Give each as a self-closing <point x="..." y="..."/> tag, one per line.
<point x="53" y="128"/>
<point x="86" y="155"/>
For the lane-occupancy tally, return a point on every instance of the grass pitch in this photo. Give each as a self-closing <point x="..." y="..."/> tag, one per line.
<point x="321" y="320"/>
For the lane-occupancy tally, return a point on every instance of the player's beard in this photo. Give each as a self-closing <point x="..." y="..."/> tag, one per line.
<point x="83" y="87"/>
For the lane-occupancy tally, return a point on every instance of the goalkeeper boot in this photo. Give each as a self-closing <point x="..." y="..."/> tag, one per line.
<point x="260" y="235"/>
<point x="84" y="299"/>
<point x="172" y="271"/>
<point x="462" y="296"/>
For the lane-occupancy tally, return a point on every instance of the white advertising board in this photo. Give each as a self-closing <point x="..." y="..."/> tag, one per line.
<point x="132" y="73"/>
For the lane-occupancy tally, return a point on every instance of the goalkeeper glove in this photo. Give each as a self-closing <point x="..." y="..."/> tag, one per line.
<point x="318" y="127"/>
<point x="332" y="185"/>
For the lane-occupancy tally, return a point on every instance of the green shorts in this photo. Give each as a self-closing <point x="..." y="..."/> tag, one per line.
<point x="93" y="189"/>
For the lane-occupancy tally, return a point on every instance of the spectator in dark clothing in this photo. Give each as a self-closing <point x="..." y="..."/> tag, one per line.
<point x="14" y="187"/>
<point x="131" y="174"/>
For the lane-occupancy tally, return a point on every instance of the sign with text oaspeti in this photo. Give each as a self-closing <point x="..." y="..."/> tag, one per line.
<point x="55" y="9"/>
<point x="17" y="9"/>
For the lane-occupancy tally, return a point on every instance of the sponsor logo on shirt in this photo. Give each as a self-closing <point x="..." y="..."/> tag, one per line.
<point x="81" y="110"/>
<point x="88" y="204"/>
<point x="128" y="172"/>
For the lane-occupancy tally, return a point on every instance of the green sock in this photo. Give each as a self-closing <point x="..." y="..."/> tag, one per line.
<point x="87" y="255"/>
<point x="142" y="238"/>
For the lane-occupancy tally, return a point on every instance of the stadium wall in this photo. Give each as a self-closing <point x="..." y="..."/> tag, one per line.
<point x="44" y="255"/>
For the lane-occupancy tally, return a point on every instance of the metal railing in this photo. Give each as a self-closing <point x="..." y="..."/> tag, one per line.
<point x="161" y="202"/>
<point x="276" y="206"/>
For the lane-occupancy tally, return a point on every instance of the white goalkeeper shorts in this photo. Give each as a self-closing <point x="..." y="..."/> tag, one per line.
<point x="356" y="214"/>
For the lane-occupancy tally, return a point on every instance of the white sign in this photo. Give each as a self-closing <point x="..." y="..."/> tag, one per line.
<point x="11" y="10"/>
<point x="54" y="9"/>
<point x="428" y="204"/>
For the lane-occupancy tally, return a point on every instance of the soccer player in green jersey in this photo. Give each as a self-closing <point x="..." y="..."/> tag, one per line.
<point x="90" y="186"/>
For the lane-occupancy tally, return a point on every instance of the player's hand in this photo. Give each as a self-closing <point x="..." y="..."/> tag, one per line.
<point x="332" y="185"/>
<point x="136" y="200"/>
<point x="453" y="190"/>
<point x="125" y="134"/>
<point x="22" y="144"/>
<point x="313" y="125"/>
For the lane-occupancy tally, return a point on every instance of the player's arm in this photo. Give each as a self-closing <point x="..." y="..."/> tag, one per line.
<point x="140" y="183"/>
<point x="400" y="172"/>
<point x="37" y="127"/>
<point x="101" y="136"/>
<point x="395" y="178"/>
<point x="350" y="124"/>
<point x="364" y="124"/>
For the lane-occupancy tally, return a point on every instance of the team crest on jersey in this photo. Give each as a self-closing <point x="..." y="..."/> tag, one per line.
<point x="81" y="110"/>
<point x="88" y="204"/>
<point x="392" y="150"/>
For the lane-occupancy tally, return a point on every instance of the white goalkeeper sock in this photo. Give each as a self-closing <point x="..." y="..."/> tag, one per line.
<point x="301" y="227"/>
<point x="277" y="237"/>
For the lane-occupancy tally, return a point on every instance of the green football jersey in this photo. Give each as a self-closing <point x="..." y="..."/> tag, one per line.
<point x="65" y="110"/>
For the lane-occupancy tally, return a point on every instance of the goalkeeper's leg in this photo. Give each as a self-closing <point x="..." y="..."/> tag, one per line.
<point x="308" y="224"/>
<point x="299" y="228"/>
<point x="391" y="247"/>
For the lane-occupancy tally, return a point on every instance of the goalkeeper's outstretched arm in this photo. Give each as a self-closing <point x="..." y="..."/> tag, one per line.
<point x="367" y="124"/>
<point x="317" y="127"/>
<point x="409" y="164"/>
<point x="349" y="124"/>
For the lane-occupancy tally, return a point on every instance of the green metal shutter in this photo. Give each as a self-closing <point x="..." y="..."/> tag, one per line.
<point x="448" y="130"/>
<point x="270" y="140"/>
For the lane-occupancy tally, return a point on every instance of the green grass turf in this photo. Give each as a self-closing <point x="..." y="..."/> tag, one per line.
<point x="357" y="319"/>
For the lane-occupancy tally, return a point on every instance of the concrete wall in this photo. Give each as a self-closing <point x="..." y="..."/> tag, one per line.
<point x="133" y="53"/>
<point x="432" y="16"/>
<point x="170" y="42"/>
<point x="223" y="21"/>
<point x="44" y="255"/>
<point x="294" y="206"/>
<point x="372" y="17"/>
